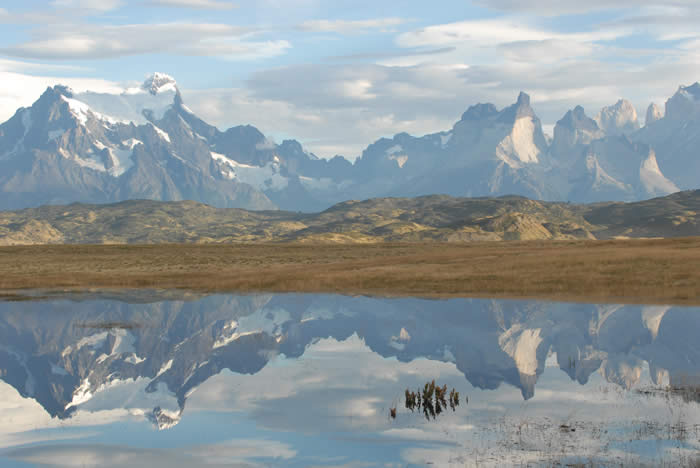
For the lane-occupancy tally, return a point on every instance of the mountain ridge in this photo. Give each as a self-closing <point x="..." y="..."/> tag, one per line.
<point x="146" y="143"/>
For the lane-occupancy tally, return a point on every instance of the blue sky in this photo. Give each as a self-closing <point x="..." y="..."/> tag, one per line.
<point x="339" y="74"/>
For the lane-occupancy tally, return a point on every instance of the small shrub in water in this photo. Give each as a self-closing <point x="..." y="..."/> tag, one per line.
<point x="433" y="400"/>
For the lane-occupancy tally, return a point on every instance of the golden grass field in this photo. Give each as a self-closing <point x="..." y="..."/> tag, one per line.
<point x="663" y="271"/>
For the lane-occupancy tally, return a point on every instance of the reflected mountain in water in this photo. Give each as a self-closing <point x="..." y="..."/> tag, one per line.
<point x="149" y="357"/>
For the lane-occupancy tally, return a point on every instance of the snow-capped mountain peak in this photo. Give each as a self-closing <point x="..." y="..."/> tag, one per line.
<point x="139" y="105"/>
<point x="159" y="83"/>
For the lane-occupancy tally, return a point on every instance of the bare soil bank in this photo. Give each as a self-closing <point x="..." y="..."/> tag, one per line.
<point x="659" y="271"/>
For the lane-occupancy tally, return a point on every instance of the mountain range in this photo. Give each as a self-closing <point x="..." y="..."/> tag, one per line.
<point x="91" y="355"/>
<point x="145" y="143"/>
<point x="420" y="219"/>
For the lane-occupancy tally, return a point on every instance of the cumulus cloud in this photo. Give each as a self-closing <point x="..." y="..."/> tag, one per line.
<point x="111" y="41"/>
<point x="350" y="27"/>
<point x="196" y="4"/>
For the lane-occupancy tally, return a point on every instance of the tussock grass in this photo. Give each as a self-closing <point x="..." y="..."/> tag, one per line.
<point x="628" y="271"/>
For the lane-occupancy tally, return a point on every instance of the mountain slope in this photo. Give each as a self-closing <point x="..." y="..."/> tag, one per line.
<point x="63" y="150"/>
<point x="431" y="218"/>
<point x="676" y="137"/>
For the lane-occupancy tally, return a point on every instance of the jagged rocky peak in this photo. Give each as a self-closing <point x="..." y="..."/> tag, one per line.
<point x="57" y="103"/>
<point x="52" y="95"/>
<point x="575" y="128"/>
<point x="480" y="112"/>
<point x="685" y="103"/>
<point x="57" y="91"/>
<point x="159" y="83"/>
<point x="513" y="135"/>
<point x="576" y="119"/>
<point x="521" y="109"/>
<point x="653" y="114"/>
<point x="523" y="102"/>
<point x="618" y="119"/>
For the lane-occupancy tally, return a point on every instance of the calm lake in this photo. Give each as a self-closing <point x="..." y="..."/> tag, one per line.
<point x="162" y="379"/>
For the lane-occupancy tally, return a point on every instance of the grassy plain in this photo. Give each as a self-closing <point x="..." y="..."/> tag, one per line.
<point x="661" y="271"/>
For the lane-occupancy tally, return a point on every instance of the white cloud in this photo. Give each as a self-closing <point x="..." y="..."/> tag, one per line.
<point x="79" y="455"/>
<point x="19" y="417"/>
<point x="558" y="7"/>
<point x="196" y="4"/>
<point x="100" y="42"/>
<point x="242" y="449"/>
<point x="100" y="5"/>
<point x="20" y="66"/>
<point x="487" y="33"/>
<point x="350" y="27"/>
<point x="21" y="90"/>
<point x="484" y="32"/>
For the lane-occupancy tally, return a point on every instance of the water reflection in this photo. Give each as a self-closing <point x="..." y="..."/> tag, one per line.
<point x="311" y="380"/>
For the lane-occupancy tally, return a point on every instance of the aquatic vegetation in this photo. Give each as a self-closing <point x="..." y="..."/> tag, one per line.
<point x="432" y="400"/>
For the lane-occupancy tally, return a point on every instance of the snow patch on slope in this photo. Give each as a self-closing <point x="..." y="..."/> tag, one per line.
<point x="121" y="160"/>
<point x="394" y="153"/>
<point x="81" y="394"/>
<point x="268" y="321"/>
<point x="82" y="111"/>
<point x="162" y="134"/>
<point x="166" y="367"/>
<point x="94" y="341"/>
<point x="131" y="143"/>
<point x="79" y="109"/>
<point x="261" y="177"/>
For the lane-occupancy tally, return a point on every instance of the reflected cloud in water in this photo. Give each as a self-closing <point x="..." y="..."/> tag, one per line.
<point x="300" y="380"/>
